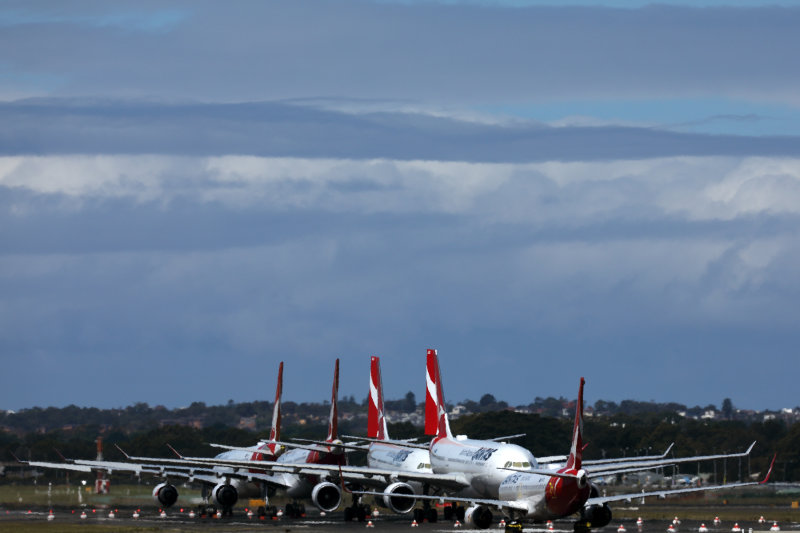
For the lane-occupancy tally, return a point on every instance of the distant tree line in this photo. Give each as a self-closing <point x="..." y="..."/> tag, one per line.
<point x="636" y="429"/>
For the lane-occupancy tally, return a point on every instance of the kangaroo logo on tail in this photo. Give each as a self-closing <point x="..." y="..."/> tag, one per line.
<point x="376" y="422"/>
<point x="436" y="421"/>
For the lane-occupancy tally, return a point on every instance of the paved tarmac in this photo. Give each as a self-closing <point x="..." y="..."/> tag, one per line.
<point x="175" y="520"/>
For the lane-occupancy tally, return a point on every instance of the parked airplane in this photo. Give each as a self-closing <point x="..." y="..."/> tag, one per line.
<point x="469" y="469"/>
<point x="222" y="486"/>
<point x="536" y="494"/>
<point x="385" y="453"/>
<point x="228" y="481"/>
<point x="295" y="471"/>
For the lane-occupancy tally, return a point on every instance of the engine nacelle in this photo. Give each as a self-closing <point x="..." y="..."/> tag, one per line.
<point x="225" y="495"/>
<point x="326" y="496"/>
<point x="595" y="516"/>
<point x="165" y="494"/>
<point x="478" y="516"/>
<point x="583" y="478"/>
<point x="399" y="497"/>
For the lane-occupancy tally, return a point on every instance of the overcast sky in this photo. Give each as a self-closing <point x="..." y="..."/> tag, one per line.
<point x="191" y="192"/>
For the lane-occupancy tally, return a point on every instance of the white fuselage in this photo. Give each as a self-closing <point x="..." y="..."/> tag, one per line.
<point x="245" y="489"/>
<point x="480" y="461"/>
<point x="530" y="489"/>
<point x="394" y="457"/>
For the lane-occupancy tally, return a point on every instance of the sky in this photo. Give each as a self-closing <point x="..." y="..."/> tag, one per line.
<point x="192" y="192"/>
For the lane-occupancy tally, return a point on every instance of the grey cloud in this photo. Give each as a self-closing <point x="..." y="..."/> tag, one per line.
<point x="435" y="53"/>
<point x="282" y="129"/>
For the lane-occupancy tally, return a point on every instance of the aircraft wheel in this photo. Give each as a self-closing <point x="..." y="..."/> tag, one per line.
<point x="419" y="515"/>
<point x="433" y="515"/>
<point x="513" y="526"/>
<point x="460" y="512"/>
<point x="580" y="527"/>
<point x="448" y="513"/>
<point x="348" y="514"/>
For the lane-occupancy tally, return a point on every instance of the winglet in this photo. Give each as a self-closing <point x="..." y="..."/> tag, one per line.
<point x="17" y="459"/>
<point x="60" y="455"/>
<point x="122" y="451"/>
<point x="174" y="451"/>
<point x="668" y="449"/>
<point x="750" y="448"/>
<point x="576" y="451"/>
<point x="766" y="478"/>
<point x="333" y="419"/>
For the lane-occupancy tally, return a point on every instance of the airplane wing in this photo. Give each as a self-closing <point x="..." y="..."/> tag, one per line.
<point x="605" y="469"/>
<point x="509" y="437"/>
<point x="402" y="442"/>
<point x="563" y="458"/>
<point x="499" y="504"/>
<point x="176" y="468"/>
<point x="346" y="445"/>
<point x="600" y="500"/>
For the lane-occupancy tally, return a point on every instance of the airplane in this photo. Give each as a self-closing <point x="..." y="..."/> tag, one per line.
<point x="535" y="494"/>
<point x="227" y="481"/>
<point x="220" y="486"/>
<point x="385" y="453"/>
<point x="300" y="479"/>
<point x="463" y="468"/>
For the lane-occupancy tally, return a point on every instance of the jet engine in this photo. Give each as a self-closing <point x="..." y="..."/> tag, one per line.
<point x="399" y="497"/>
<point x="583" y="478"/>
<point x="165" y="494"/>
<point x="595" y="516"/>
<point x="478" y="516"/>
<point x="225" y="495"/>
<point x="326" y="496"/>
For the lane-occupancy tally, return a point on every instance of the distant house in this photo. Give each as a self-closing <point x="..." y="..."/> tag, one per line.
<point x="247" y="422"/>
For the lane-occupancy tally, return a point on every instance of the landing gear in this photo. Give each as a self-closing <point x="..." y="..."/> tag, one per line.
<point x="454" y="512"/>
<point x="427" y="513"/>
<point x="357" y="511"/>
<point x="513" y="526"/>
<point x="269" y="511"/>
<point x="295" y="510"/>
<point x="206" y="511"/>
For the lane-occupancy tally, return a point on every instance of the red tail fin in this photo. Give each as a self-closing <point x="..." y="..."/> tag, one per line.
<point x="376" y="423"/>
<point x="275" y="431"/>
<point x="333" y="419"/>
<point x="436" y="422"/>
<point x="576" y="451"/>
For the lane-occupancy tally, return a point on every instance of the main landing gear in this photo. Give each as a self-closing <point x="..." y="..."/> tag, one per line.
<point x="513" y="526"/>
<point x="294" y="510"/>
<point x="357" y="511"/>
<point x="268" y="511"/>
<point x="427" y="512"/>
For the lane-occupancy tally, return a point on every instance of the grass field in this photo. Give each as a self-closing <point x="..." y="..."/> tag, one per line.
<point x="737" y="505"/>
<point x="23" y="495"/>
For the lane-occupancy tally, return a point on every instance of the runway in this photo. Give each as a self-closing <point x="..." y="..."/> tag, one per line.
<point x="150" y="520"/>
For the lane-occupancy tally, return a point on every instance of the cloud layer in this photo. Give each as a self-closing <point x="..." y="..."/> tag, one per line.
<point x="166" y="260"/>
<point x="190" y="194"/>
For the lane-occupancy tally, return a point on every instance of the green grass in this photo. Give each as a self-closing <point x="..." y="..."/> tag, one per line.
<point x="23" y="495"/>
